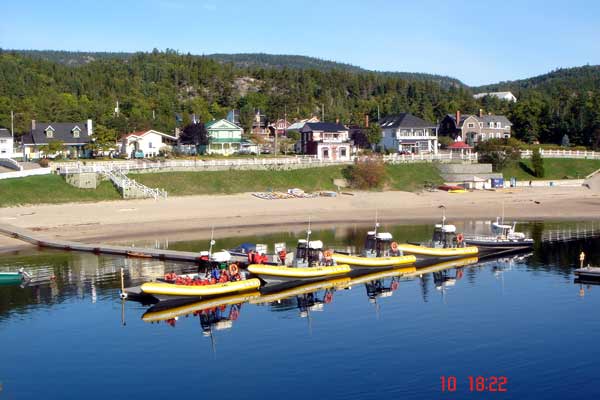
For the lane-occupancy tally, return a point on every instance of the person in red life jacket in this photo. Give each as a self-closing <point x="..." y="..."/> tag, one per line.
<point x="282" y="255"/>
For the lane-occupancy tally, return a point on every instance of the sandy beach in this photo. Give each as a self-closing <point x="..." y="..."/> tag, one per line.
<point x="184" y="218"/>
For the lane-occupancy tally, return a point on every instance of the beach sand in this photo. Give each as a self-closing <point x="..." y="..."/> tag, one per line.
<point x="192" y="217"/>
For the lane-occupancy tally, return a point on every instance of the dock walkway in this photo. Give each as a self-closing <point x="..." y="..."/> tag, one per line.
<point x="42" y="241"/>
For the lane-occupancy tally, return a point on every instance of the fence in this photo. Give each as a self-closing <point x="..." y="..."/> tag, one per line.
<point x="441" y="156"/>
<point x="585" y="154"/>
<point x="10" y="163"/>
<point x="242" y="163"/>
<point x="26" y="172"/>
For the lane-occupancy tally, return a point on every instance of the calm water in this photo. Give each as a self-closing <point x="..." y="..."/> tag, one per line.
<point x="522" y="318"/>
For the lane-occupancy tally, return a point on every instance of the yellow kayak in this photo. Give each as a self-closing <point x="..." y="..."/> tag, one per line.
<point x="169" y="289"/>
<point x="373" y="261"/>
<point x="438" y="252"/>
<point x="279" y="273"/>
<point x="163" y="315"/>
<point x="338" y="283"/>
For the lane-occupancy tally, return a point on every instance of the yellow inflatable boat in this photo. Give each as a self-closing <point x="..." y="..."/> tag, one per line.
<point x="169" y="289"/>
<point x="276" y="273"/>
<point x="170" y="313"/>
<point x="374" y="262"/>
<point x="441" y="252"/>
<point x="381" y="275"/>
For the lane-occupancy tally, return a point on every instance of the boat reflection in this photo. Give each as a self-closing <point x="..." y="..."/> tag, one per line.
<point x="213" y="314"/>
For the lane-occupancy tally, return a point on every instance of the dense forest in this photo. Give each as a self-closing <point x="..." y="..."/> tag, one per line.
<point x="163" y="89"/>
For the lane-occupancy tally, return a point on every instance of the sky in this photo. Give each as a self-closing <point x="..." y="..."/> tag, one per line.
<point x="478" y="42"/>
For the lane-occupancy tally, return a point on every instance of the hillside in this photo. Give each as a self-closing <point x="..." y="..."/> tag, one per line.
<point x="240" y="60"/>
<point x="578" y="78"/>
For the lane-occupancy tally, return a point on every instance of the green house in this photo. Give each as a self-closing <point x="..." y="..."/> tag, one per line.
<point x="225" y="137"/>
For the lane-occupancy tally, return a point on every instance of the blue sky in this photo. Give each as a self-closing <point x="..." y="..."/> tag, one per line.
<point x="475" y="41"/>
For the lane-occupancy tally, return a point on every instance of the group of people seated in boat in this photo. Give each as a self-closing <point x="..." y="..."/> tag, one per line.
<point x="216" y="275"/>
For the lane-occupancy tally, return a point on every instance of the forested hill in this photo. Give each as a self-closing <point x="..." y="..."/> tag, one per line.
<point x="576" y="79"/>
<point x="161" y="90"/>
<point x="241" y="60"/>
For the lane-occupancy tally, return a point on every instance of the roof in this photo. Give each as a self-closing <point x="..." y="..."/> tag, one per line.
<point x="459" y="145"/>
<point x="404" y="120"/>
<point x="63" y="131"/>
<point x="324" y="126"/>
<point x="227" y="122"/>
<point x="495" y="118"/>
<point x="143" y="133"/>
<point x="5" y="133"/>
<point x="485" y="119"/>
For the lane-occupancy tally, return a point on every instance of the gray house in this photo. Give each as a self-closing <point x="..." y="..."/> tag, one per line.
<point x="73" y="135"/>
<point x="473" y="129"/>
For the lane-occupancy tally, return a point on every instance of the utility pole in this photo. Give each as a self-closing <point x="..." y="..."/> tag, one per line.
<point x="378" y="116"/>
<point x="322" y="112"/>
<point x="12" y="124"/>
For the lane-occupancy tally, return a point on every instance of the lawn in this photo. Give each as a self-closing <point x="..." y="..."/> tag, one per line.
<point x="50" y="189"/>
<point x="412" y="177"/>
<point x="408" y="177"/>
<point x="555" y="168"/>
<point x="54" y="189"/>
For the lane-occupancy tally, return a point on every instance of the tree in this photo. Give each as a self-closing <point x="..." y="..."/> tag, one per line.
<point x="53" y="147"/>
<point x="103" y="139"/>
<point x="293" y="134"/>
<point x="195" y="134"/>
<point x="373" y="134"/>
<point x="498" y="152"/>
<point x="565" y="141"/>
<point x="537" y="162"/>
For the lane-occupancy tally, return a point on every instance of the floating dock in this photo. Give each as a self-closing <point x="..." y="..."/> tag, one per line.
<point x="588" y="273"/>
<point x="42" y="241"/>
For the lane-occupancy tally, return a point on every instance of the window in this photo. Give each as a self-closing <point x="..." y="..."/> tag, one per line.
<point x="471" y="125"/>
<point x="325" y="153"/>
<point x="491" y="124"/>
<point x="76" y="132"/>
<point x="498" y="125"/>
<point x="149" y="145"/>
<point x="483" y="136"/>
<point x="343" y="152"/>
<point x="49" y="133"/>
<point x="481" y="124"/>
<point x="3" y="140"/>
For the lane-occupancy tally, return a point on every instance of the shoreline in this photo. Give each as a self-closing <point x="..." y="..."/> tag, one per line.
<point x="193" y="217"/>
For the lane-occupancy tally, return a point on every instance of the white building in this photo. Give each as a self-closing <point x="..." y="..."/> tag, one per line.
<point x="407" y="133"/>
<point x="508" y="96"/>
<point x="6" y="144"/>
<point x="145" y="143"/>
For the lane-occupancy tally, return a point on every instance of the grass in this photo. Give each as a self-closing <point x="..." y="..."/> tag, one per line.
<point x="555" y="168"/>
<point x="50" y="189"/>
<point x="408" y="177"/>
<point x="412" y="177"/>
<point x="235" y="181"/>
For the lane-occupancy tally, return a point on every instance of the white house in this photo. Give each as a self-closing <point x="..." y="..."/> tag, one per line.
<point x="6" y="144"/>
<point x="145" y="143"/>
<point x="407" y="133"/>
<point x="508" y="96"/>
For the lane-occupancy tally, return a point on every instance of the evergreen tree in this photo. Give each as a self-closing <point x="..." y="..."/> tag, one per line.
<point x="537" y="162"/>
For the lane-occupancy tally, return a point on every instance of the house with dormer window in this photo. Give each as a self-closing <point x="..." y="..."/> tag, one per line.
<point x="73" y="135"/>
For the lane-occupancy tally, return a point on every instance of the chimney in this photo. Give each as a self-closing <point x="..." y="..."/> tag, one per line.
<point x="337" y="120"/>
<point x="457" y="118"/>
<point x="33" y="124"/>
<point x="366" y="120"/>
<point x="480" y="112"/>
<point x="89" y="127"/>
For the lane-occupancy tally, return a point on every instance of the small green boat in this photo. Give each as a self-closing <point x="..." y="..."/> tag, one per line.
<point x="13" y="278"/>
